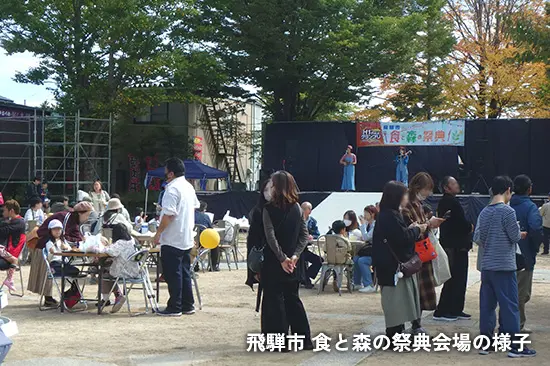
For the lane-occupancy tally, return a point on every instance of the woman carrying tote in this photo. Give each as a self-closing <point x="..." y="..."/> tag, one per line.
<point x="393" y="243"/>
<point x="421" y="187"/>
<point x="71" y="232"/>
<point x="286" y="235"/>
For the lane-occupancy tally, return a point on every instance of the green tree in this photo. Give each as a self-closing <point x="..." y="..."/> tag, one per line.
<point x="418" y="91"/>
<point x="107" y="57"/>
<point x="306" y="57"/>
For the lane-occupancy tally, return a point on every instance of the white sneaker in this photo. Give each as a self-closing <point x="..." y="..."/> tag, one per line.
<point x="367" y="290"/>
<point x="357" y="287"/>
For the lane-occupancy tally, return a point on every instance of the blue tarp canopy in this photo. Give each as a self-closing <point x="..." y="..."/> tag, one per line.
<point x="194" y="169"/>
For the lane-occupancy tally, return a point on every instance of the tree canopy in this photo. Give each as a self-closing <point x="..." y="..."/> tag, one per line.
<point x="307" y="57"/>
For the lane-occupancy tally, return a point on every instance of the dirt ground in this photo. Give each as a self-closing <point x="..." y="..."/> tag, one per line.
<point x="217" y="334"/>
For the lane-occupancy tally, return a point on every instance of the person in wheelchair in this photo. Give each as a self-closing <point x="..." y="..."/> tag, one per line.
<point x="56" y="244"/>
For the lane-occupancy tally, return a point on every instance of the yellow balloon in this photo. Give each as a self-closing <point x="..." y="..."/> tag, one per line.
<point x="210" y="238"/>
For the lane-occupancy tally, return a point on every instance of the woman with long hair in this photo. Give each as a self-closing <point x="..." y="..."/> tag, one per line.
<point x="421" y="187"/>
<point x="286" y="235"/>
<point x="352" y="225"/>
<point x="393" y="242"/>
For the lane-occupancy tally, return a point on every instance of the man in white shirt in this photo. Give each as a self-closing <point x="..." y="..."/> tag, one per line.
<point x="175" y="235"/>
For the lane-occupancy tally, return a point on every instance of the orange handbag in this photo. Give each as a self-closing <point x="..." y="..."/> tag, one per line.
<point x="425" y="250"/>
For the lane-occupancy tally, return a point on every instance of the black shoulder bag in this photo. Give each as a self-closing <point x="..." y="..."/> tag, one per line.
<point x="255" y="257"/>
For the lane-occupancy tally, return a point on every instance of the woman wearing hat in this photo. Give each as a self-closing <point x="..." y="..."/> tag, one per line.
<point x="71" y="222"/>
<point x="348" y="161"/>
<point x="113" y="215"/>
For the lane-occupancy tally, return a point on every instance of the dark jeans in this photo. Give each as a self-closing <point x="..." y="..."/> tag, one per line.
<point x="315" y="263"/>
<point x="282" y="308"/>
<point x="546" y="242"/>
<point x="70" y="270"/>
<point x="176" y="265"/>
<point x="453" y="294"/>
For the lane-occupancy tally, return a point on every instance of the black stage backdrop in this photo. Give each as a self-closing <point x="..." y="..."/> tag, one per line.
<point x="508" y="147"/>
<point x="312" y="151"/>
<point x="240" y="203"/>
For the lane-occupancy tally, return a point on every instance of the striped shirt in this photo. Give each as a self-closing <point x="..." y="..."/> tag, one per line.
<point x="498" y="233"/>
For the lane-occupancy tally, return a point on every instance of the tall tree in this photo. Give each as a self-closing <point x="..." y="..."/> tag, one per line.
<point x="417" y="93"/>
<point x="306" y="56"/>
<point x="486" y="78"/>
<point x="95" y="52"/>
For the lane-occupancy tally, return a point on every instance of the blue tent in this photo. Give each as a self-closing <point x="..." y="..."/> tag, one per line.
<point x="194" y="169"/>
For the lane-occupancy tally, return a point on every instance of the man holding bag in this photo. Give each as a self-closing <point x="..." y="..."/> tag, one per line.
<point x="456" y="239"/>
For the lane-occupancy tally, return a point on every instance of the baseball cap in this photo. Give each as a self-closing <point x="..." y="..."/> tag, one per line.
<point x="54" y="224"/>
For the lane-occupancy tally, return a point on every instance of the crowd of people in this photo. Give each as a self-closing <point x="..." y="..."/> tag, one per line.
<point x="509" y="233"/>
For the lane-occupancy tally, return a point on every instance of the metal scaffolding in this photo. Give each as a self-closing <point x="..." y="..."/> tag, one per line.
<point x="69" y="152"/>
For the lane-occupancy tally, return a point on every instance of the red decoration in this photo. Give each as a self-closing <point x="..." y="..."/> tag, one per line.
<point x="369" y="134"/>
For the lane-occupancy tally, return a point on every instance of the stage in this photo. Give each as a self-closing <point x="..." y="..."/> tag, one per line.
<point x="312" y="152"/>
<point x="330" y="206"/>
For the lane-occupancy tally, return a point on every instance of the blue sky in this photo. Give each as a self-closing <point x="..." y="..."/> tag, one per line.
<point x="31" y="95"/>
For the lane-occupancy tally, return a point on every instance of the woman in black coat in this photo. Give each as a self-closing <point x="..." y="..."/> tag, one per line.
<point x="393" y="242"/>
<point x="286" y="235"/>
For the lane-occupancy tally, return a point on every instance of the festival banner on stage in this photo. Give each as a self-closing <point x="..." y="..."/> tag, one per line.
<point x="430" y="133"/>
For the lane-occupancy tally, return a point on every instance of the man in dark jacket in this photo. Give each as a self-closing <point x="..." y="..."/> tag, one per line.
<point x="456" y="239"/>
<point x="33" y="189"/>
<point x="530" y="221"/>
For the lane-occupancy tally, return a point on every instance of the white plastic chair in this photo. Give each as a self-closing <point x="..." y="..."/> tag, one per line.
<point x="230" y="247"/>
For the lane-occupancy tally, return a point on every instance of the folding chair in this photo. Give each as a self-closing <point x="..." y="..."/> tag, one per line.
<point x="334" y="262"/>
<point x="143" y="279"/>
<point x="54" y="277"/>
<point x="201" y="252"/>
<point x="230" y="247"/>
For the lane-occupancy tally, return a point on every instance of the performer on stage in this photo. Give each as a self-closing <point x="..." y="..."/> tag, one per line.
<point x="402" y="160"/>
<point x="348" y="161"/>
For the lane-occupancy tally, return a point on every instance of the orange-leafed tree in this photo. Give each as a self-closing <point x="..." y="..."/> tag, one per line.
<point x="486" y="77"/>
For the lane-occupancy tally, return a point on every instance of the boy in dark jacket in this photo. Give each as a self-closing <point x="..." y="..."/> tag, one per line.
<point x="530" y="221"/>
